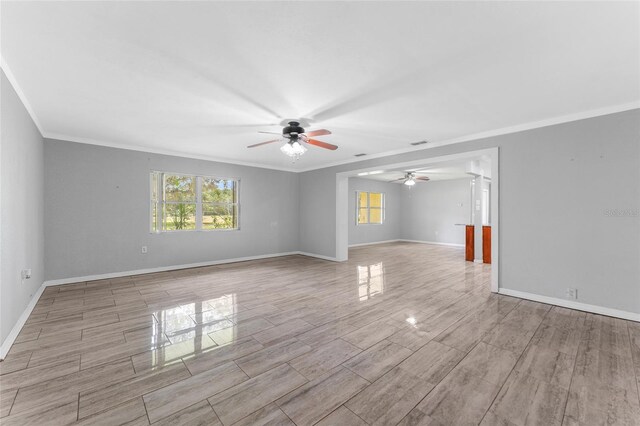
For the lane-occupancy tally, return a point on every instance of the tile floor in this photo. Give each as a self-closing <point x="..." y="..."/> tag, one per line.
<point x="402" y="333"/>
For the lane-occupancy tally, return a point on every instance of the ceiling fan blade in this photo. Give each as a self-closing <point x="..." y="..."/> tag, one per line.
<point x="263" y="143"/>
<point x="270" y="133"/>
<point x="321" y="144"/>
<point x="396" y="180"/>
<point x="319" y="132"/>
<point x="423" y="178"/>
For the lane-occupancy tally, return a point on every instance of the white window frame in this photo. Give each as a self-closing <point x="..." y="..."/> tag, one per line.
<point x="382" y="209"/>
<point x="159" y="203"/>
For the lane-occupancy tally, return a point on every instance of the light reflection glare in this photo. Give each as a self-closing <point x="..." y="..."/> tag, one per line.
<point x="412" y="321"/>
<point x="183" y="331"/>
<point x="370" y="281"/>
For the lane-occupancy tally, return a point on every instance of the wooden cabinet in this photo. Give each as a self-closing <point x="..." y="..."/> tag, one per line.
<point x="486" y="244"/>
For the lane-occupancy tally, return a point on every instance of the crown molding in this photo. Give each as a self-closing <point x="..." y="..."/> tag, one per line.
<point x="16" y="87"/>
<point x="491" y="133"/>
<point x="467" y="138"/>
<point x="161" y="151"/>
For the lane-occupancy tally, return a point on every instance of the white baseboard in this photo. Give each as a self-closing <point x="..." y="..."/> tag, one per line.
<point x="319" y="256"/>
<point x="572" y="304"/>
<point x="373" y="243"/>
<point x="163" y="269"/>
<point x="432" y="242"/>
<point x="6" y="345"/>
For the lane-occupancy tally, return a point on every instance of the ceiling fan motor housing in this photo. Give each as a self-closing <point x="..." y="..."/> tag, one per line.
<point x="292" y="130"/>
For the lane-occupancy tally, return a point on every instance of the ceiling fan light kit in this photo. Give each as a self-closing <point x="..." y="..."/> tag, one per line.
<point x="410" y="182"/>
<point x="293" y="148"/>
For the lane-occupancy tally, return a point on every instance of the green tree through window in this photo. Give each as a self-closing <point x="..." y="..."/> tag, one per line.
<point x="187" y="202"/>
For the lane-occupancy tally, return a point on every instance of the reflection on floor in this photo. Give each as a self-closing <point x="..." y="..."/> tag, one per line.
<point x="400" y="334"/>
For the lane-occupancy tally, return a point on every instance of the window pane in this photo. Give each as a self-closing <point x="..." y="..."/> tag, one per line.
<point x="375" y="199"/>
<point x="154" y="217"/>
<point x="179" y="188"/>
<point x="179" y="216"/>
<point x="154" y="186"/>
<point x="363" y="216"/>
<point x="363" y="199"/>
<point x="218" y="190"/>
<point x="219" y="216"/>
<point x="375" y="215"/>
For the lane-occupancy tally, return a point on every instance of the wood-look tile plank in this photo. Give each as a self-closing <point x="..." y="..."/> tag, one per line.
<point x="271" y="356"/>
<point x="509" y="337"/>
<point x="184" y="393"/>
<point x="370" y="334"/>
<point x="596" y="403"/>
<point x="171" y="353"/>
<point x="74" y="348"/>
<point x="60" y="411"/>
<point x="341" y="417"/>
<point x="6" y="401"/>
<point x="219" y="355"/>
<point x="240" y="330"/>
<point x="548" y="365"/>
<point x="377" y="360"/>
<point x="200" y="414"/>
<point x="324" y="358"/>
<point x="527" y="400"/>
<point x="72" y="384"/>
<point x="460" y="398"/>
<point x="606" y="334"/>
<point x="116" y="351"/>
<point x="282" y="332"/>
<point x="119" y="326"/>
<point x="270" y="415"/>
<point x="110" y="396"/>
<point x="490" y="363"/>
<point x="390" y="398"/>
<point x="31" y="376"/>
<point x="606" y="368"/>
<point x="241" y="400"/>
<point x="45" y="343"/>
<point x="325" y="333"/>
<point x="318" y="398"/>
<point x="13" y="363"/>
<point x="130" y="413"/>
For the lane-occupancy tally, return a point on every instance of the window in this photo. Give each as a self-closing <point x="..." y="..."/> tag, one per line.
<point x="370" y="208"/>
<point x="188" y="203"/>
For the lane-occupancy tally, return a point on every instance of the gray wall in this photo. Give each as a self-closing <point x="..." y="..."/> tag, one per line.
<point x="555" y="184"/>
<point x="370" y="233"/>
<point x="21" y="229"/>
<point x="431" y="210"/>
<point x="97" y="212"/>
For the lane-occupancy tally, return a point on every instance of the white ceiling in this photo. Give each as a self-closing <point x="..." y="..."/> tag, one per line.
<point x="201" y="78"/>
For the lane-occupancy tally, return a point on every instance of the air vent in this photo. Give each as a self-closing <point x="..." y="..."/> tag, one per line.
<point x="359" y="155"/>
<point x="418" y="143"/>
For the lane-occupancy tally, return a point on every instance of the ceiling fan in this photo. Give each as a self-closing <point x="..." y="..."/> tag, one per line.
<point x="410" y="179"/>
<point x="295" y="138"/>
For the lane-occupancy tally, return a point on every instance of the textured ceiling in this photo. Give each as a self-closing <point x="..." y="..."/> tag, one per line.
<point x="201" y="78"/>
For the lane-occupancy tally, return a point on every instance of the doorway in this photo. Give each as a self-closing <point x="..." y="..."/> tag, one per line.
<point x="484" y="215"/>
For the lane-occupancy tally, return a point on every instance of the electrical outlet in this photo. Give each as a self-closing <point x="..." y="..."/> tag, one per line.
<point x="572" y="293"/>
<point x="26" y="274"/>
<point x="144" y="250"/>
